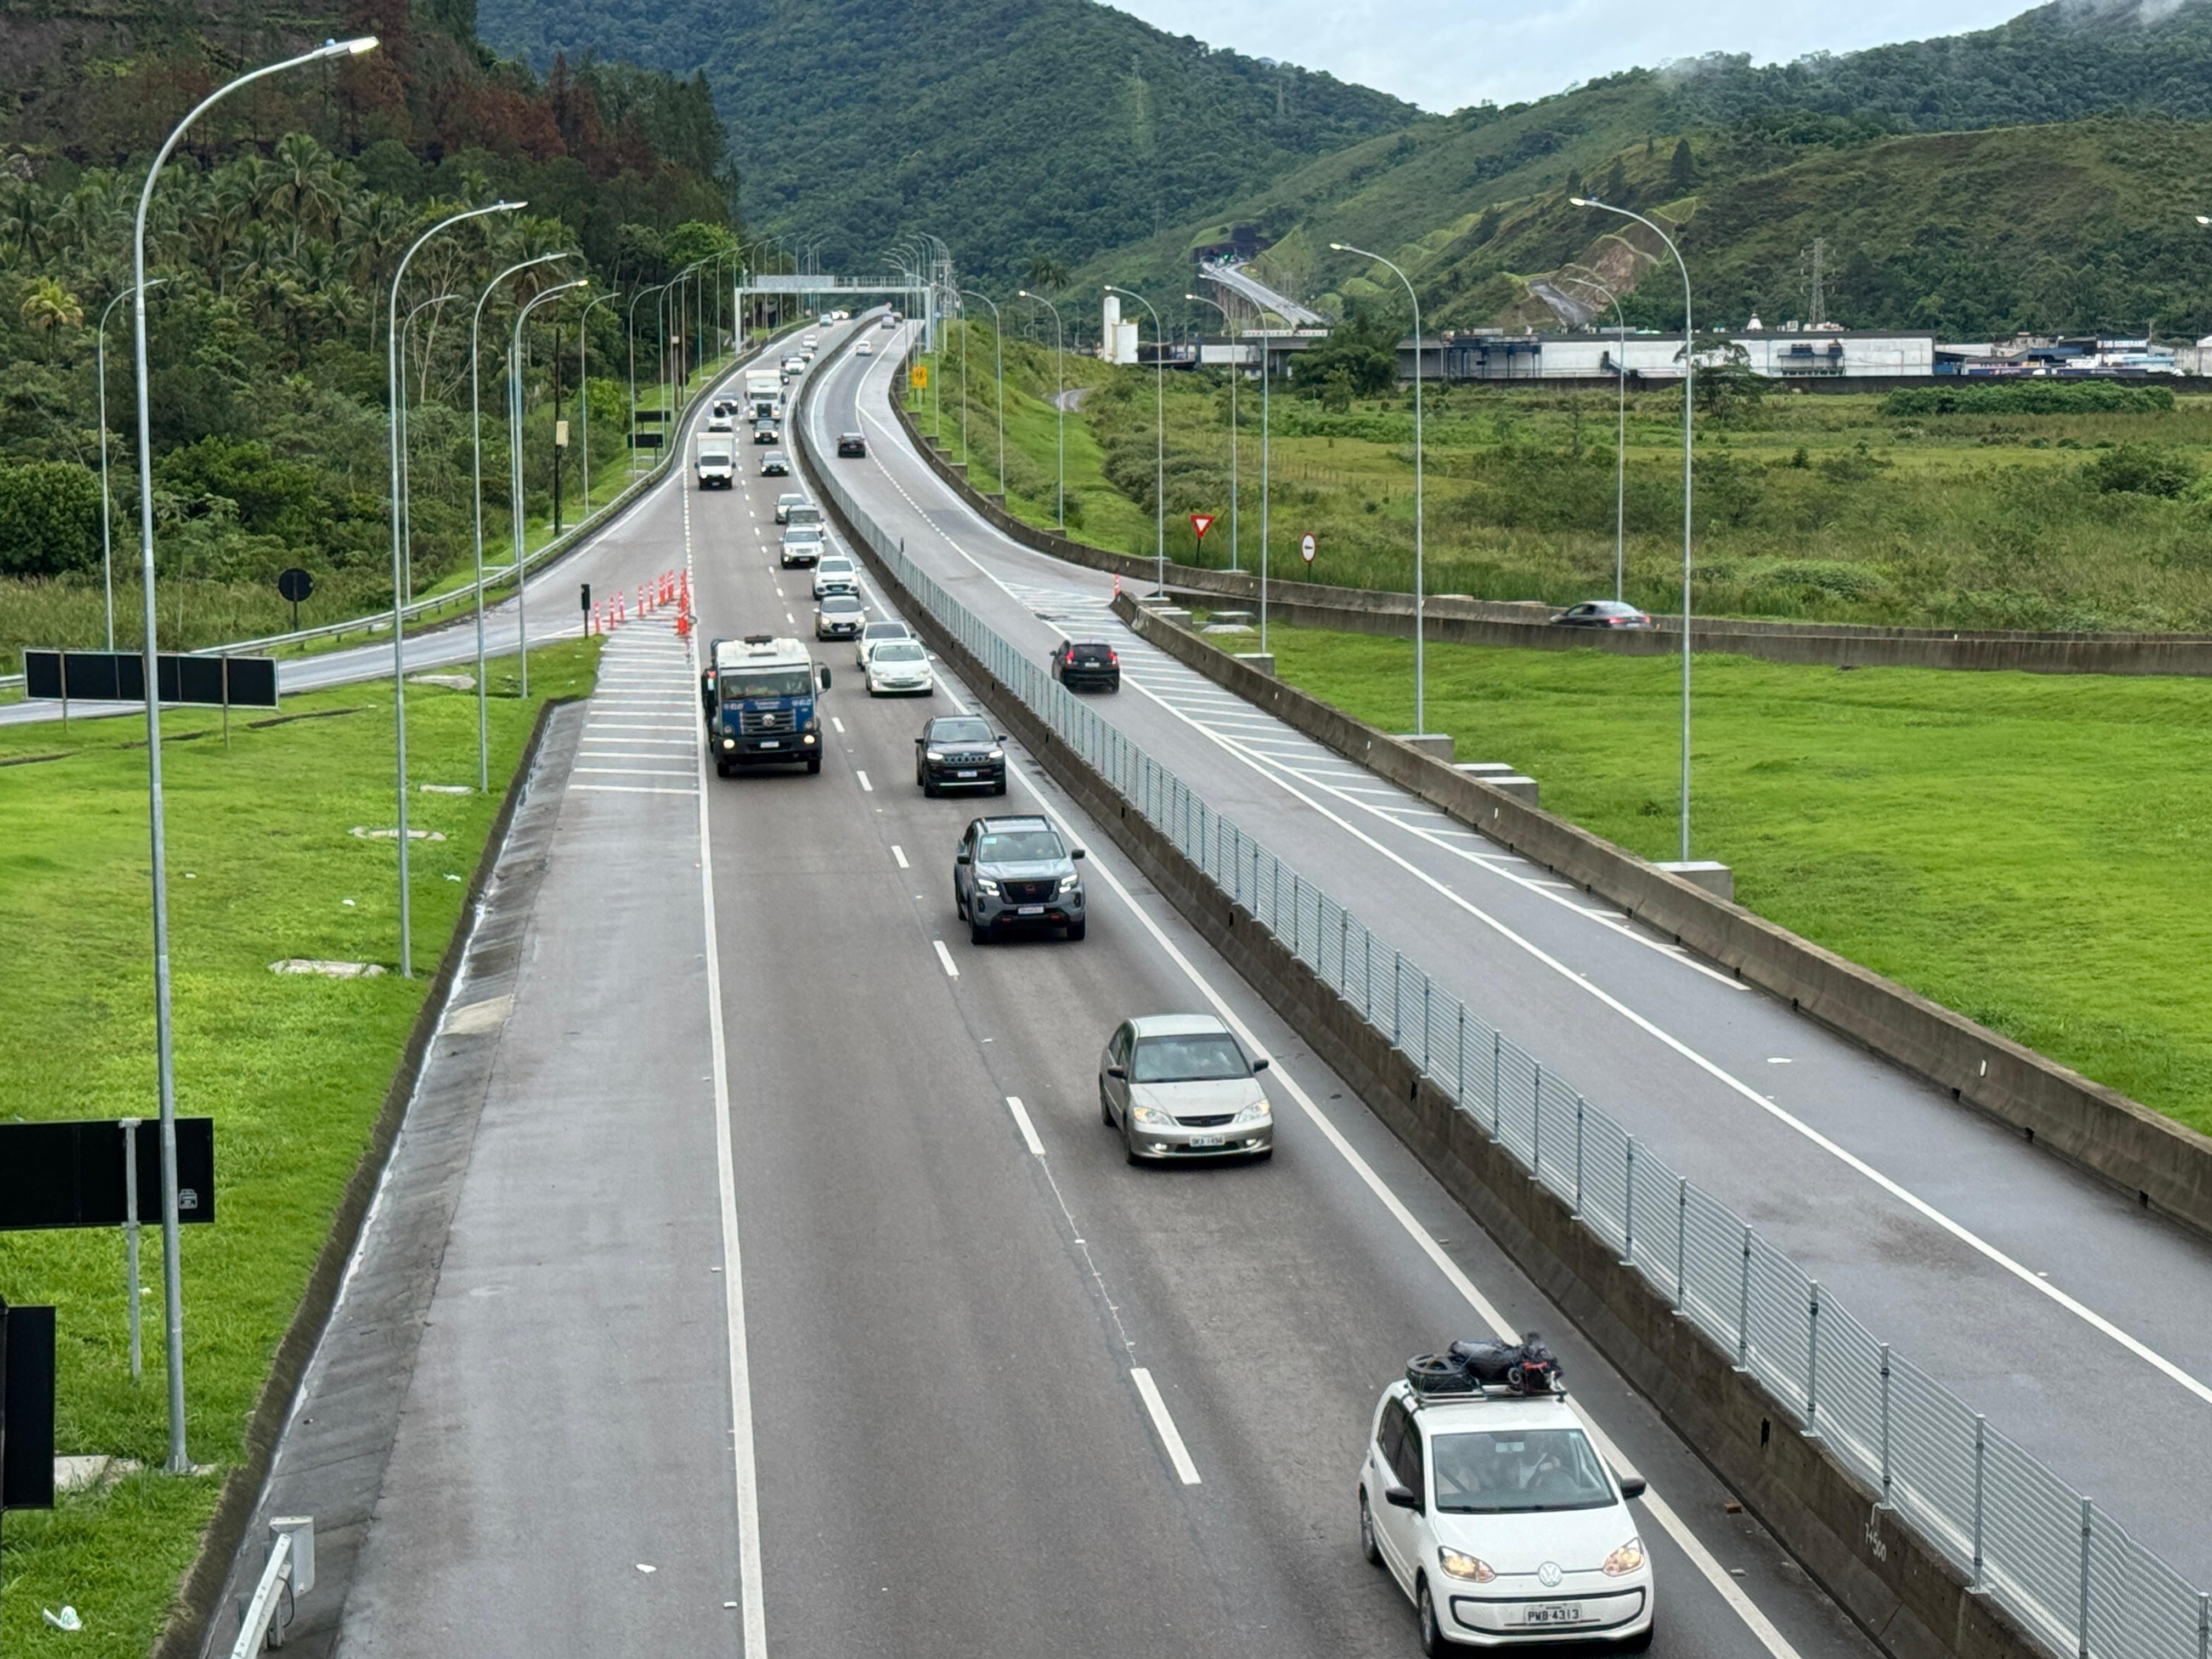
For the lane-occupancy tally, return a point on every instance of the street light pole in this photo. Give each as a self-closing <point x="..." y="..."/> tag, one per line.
<point x="1160" y="438"/>
<point x="476" y="445"/>
<point x="398" y="559"/>
<point x="514" y="463"/>
<point x="406" y="500"/>
<point x="107" y="547"/>
<point x="1236" y="369"/>
<point x="584" y="393"/>
<point x="1420" y="666"/>
<point x="1059" y="403"/>
<point x="998" y="366"/>
<point x="1619" y="439"/>
<point x="165" y="1065"/>
<point x="1689" y="371"/>
<point x="632" y="315"/>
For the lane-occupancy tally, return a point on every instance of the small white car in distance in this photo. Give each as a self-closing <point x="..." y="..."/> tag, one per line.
<point x="1502" y="1523"/>
<point x="874" y="635"/>
<point x="899" y="668"/>
<point x="836" y="574"/>
<point x="864" y="350"/>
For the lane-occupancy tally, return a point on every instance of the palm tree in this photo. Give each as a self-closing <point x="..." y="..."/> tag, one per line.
<point x="1047" y="274"/>
<point x="48" y="305"/>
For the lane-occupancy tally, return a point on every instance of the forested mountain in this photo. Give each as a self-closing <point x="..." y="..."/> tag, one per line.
<point x="1012" y="128"/>
<point x="274" y="234"/>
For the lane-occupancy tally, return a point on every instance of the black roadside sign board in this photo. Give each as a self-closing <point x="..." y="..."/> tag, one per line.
<point x="294" y="584"/>
<point x="71" y="1174"/>
<point x="120" y="677"/>
<point x="26" y="1408"/>
<point x="646" y="439"/>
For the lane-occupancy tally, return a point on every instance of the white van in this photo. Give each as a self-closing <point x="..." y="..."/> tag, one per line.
<point x="717" y="460"/>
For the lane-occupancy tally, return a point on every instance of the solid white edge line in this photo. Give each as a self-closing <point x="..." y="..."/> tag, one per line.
<point x="951" y="968"/>
<point x="1178" y="1454"/>
<point x="898" y="855"/>
<point x="745" y="1470"/>
<point x="1022" y="1122"/>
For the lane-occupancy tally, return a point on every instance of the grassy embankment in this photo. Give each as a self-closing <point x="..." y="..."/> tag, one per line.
<point x="2021" y="847"/>
<point x="1812" y="505"/>
<point x="196" y="613"/>
<point x="263" y="866"/>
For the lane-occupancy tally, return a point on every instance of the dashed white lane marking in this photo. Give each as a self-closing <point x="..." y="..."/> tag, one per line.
<point x="839" y="724"/>
<point x="788" y="617"/>
<point x="1170" y="1437"/>
<point x="1022" y="1123"/>
<point x="866" y="786"/>
<point x="898" y="853"/>
<point x="951" y="968"/>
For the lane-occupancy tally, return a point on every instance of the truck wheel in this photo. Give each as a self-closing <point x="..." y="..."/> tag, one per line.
<point x="813" y="764"/>
<point x="721" y="769"/>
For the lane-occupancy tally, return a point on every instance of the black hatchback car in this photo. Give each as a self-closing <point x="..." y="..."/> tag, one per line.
<point x="1601" y="613"/>
<point x="958" y="751"/>
<point x="1081" y="664"/>
<point x="850" y="444"/>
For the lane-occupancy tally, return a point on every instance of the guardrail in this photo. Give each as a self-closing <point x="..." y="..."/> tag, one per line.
<point x="289" y="1574"/>
<point x="378" y="622"/>
<point x="2067" y="1571"/>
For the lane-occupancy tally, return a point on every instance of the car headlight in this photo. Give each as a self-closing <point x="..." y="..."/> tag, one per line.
<point x="985" y="884"/>
<point x="1257" y="1112"/>
<point x="729" y="743"/>
<point x="932" y="754"/>
<point x="1151" y="1117"/>
<point x="1625" y="1559"/>
<point x="1472" y="1568"/>
<point x="1070" y="881"/>
<point x="996" y="754"/>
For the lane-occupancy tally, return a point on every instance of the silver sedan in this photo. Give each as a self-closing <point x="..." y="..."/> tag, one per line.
<point x="1178" y="1086"/>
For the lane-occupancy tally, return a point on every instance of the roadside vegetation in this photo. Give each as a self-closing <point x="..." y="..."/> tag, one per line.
<point x="2010" y="845"/>
<point x="263" y="866"/>
<point x="1897" y="510"/>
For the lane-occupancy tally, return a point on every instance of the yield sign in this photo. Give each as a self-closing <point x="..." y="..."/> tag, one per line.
<point x="1202" y="522"/>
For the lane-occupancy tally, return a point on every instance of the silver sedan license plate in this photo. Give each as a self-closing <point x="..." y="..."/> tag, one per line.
<point x="1553" y="1612"/>
<point x="1208" y="1141"/>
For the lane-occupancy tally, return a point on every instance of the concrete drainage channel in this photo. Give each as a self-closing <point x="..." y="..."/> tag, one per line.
<point x="1936" y="1534"/>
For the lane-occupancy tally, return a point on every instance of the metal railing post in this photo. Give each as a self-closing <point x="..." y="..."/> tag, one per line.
<point x="1397" y="981"/>
<point x="1980" y="1433"/>
<point x="2205" y="1625"/>
<point x="1536" y="1123"/>
<point x="1812" y="1357"/>
<point x="1628" y="1221"/>
<point x="1743" y="1306"/>
<point x="1885" y="1426"/>
<point x="1681" y="1236"/>
<point x="2088" y="1526"/>
<point x="1578" y="1155"/>
<point x="1425" y="985"/>
<point x="1497" y="1094"/>
<point x="1459" y="1061"/>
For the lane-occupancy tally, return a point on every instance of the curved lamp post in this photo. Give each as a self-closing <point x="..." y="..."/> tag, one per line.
<point x="641" y="294"/>
<point x="164" y="1046"/>
<point x="476" y="445"/>
<point x="398" y="557"/>
<point x="1420" y="666"/>
<point x="514" y="464"/>
<point x="999" y="357"/>
<point x="1689" y="371"/>
<point x="1621" y="435"/>
<point x="107" y="547"/>
<point x="1160" y="438"/>
<point x="406" y="498"/>
<point x="1058" y="401"/>
<point x="584" y="392"/>
<point x="1235" y="370"/>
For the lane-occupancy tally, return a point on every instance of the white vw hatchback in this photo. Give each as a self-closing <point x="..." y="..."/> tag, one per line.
<point x="1502" y="1523"/>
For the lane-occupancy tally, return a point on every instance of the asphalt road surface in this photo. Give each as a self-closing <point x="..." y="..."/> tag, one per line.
<point x="2078" y="1323"/>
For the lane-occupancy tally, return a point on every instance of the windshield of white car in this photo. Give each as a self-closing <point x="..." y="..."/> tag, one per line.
<point x="838" y="604"/>
<point x="1200" y="1058"/>
<point x="1019" y="847"/>
<point x="897" y="650"/>
<point x="805" y="533"/>
<point x="1518" y="1472"/>
<point x="766" y="683"/>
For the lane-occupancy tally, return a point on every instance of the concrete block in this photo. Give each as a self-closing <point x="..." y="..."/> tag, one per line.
<point x="1232" y="618"/>
<point x="1487" y="770"/>
<point x="1436" y="744"/>
<point x="1715" y="878"/>
<point x="1171" y="613"/>
<point x="1523" y="789"/>
<point x="1262" y="660"/>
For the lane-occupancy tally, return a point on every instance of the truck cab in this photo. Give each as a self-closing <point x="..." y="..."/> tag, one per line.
<point x="760" y="695"/>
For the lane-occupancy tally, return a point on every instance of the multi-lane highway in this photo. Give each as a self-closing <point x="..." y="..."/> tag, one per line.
<point x="792" y="1262"/>
<point x="797" y="1301"/>
<point x="2011" y="1276"/>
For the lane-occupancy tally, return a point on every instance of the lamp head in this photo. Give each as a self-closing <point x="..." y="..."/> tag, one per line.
<point x="2202" y="220"/>
<point x="353" y="48"/>
<point x="1337" y="246"/>
<point x="1578" y="201"/>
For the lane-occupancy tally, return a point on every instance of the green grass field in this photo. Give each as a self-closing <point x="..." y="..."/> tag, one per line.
<point x="2028" y="850"/>
<point x="262" y="865"/>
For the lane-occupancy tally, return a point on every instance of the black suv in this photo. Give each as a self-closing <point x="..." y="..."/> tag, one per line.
<point x="1011" y="873"/>
<point x="958" y="751"/>
<point x="1078" y="662"/>
<point x="850" y="444"/>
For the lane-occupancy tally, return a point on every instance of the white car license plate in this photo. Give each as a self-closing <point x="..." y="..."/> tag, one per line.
<point x="771" y="743"/>
<point x="1029" y="910"/>
<point x="1553" y="1612"/>
<point x="1207" y="1140"/>
<point x="964" y="774"/>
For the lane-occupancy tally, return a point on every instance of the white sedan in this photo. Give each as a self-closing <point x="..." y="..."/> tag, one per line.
<point x="899" y="668"/>
<point x="874" y="635"/>
<point x="864" y="350"/>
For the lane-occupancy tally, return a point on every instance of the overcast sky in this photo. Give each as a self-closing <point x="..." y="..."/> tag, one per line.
<point x="1444" y="54"/>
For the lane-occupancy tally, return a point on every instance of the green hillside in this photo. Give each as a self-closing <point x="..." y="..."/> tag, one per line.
<point x="1012" y="128"/>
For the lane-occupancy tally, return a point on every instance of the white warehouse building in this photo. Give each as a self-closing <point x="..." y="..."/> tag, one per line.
<point x="1789" y="354"/>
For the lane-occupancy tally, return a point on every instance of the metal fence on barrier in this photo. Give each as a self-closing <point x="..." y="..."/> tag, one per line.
<point x="2064" y="1568"/>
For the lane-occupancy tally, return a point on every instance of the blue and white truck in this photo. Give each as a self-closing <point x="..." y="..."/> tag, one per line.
<point x="762" y="698"/>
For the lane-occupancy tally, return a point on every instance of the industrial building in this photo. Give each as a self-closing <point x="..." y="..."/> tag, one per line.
<point x="1789" y="355"/>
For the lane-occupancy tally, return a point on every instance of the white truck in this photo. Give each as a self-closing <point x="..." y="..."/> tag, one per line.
<point x="763" y="391"/>
<point x="716" y="460"/>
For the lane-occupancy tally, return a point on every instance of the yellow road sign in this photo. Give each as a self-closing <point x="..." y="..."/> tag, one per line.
<point x="918" y="376"/>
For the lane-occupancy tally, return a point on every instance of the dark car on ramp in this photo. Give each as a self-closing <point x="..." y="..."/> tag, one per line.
<point x="1081" y="664"/>
<point x="958" y="751"/>
<point x="850" y="444"/>
<point x="1601" y="613"/>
